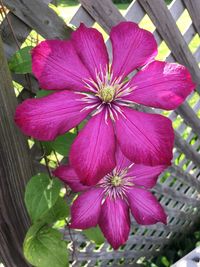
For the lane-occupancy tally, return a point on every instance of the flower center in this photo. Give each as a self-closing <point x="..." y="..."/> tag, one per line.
<point x="116" y="180"/>
<point x="107" y="93"/>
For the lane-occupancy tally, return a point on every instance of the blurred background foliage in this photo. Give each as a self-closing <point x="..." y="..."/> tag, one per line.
<point x="175" y="250"/>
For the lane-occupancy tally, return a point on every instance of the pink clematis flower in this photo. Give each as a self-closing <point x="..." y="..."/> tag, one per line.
<point x="108" y="203"/>
<point x="86" y="85"/>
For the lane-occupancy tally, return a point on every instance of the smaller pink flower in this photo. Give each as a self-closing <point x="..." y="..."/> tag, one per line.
<point x="108" y="203"/>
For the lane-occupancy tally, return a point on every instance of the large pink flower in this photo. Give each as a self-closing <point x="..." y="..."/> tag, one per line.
<point x="80" y="70"/>
<point x="108" y="203"/>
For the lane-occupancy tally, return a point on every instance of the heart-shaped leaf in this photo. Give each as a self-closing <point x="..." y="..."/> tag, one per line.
<point x="41" y="195"/>
<point x="44" y="247"/>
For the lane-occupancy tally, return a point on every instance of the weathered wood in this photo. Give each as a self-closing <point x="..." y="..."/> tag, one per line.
<point x="20" y="29"/>
<point x="15" y="169"/>
<point x="84" y="15"/>
<point x="185" y="177"/>
<point x="190" y="117"/>
<point x="40" y="17"/>
<point x="135" y="12"/>
<point x="170" y="192"/>
<point x="193" y="7"/>
<point x="166" y="26"/>
<point x="187" y="149"/>
<point x="104" y="12"/>
<point x="176" y="9"/>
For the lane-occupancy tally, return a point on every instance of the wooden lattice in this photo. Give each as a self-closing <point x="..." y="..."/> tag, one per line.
<point x="178" y="188"/>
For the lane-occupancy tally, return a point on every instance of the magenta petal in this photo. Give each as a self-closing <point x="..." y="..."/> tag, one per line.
<point x="145" y="207"/>
<point x="145" y="138"/>
<point x="121" y="161"/>
<point x="93" y="152"/>
<point x="69" y="176"/>
<point x="86" y="209"/>
<point x="56" y="65"/>
<point x="47" y="117"/>
<point x="161" y="85"/>
<point x="132" y="48"/>
<point x="114" y="221"/>
<point x="91" y="48"/>
<point x="145" y="175"/>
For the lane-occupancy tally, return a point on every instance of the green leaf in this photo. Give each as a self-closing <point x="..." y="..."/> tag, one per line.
<point x="42" y="93"/>
<point x="165" y="261"/>
<point x="41" y="195"/>
<point x="44" y="247"/>
<point x="63" y="143"/>
<point x="58" y="212"/>
<point x="46" y="146"/>
<point x="94" y="234"/>
<point x="20" y="62"/>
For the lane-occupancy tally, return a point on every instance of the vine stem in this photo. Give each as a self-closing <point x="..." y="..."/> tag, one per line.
<point x="57" y="160"/>
<point x="72" y="240"/>
<point x="46" y="160"/>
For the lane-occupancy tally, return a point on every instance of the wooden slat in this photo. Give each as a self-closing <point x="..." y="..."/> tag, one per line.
<point x="104" y="12"/>
<point x="189" y="34"/>
<point x="190" y="117"/>
<point x="184" y="176"/>
<point x="40" y="17"/>
<point x="20" y="29"/>
<point x="170" y="192"/>
<point x="166" y="26"/>
<point x="187" y="149"/>
<point x="193" y="7"/>
<point x="197" y="54"/>
<point x="176" y="9"/>
<point x="15" y="170"/>
<point x="134" y="12"/>
<point x="84" y="15"/>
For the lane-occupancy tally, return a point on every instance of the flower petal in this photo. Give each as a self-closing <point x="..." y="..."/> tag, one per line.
<point x="161" y="85"/>
<point x="93" y="151"/>
<point x="121" y="161"/>
<point x="69" y="176"/>
<point x="145" y="207"/>
<point x="86" y="209"/>
<point x="145" y="138"/>
<point x="56" y="65"/>
<point x="114" y="221"/>
<point x="146" y="176"/>
<point x="132" y="48"/>
<point x="47" y="117"/>
<point x="91" y="48"/>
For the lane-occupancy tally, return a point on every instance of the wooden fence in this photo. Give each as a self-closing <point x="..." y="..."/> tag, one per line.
<point x="178" y="188"/>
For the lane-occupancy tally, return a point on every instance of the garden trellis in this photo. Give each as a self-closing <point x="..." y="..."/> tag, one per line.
<point x="178" y="188"/>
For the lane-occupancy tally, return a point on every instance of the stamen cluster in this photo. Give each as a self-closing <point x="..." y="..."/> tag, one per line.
<point x="117" y="182"/>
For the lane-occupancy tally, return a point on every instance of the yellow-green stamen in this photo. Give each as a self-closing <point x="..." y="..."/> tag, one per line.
<point x="116" y="180"/>
<point x="107" y="94"/>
